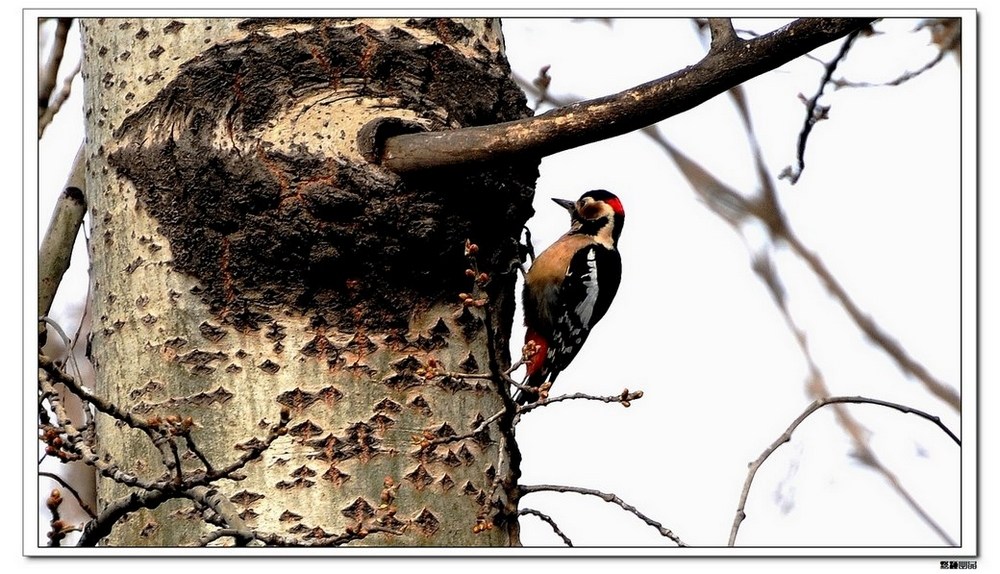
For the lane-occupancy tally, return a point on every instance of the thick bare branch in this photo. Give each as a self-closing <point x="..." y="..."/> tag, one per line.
<point x="609" y="116"/>
<point x="48" y="74"/>
<point x="787" y="436"/>
<point x="723" y="33"/>
<point x="57" y="245"/>
<point x="58" y="100"/>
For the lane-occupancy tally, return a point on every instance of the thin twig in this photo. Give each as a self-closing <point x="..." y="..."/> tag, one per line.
<point x="814" y="112"/>
<point x="57" y="527"/>
<point x="79" y="499"/>
<point x="57" y="375"/>
<point x="625" y="398"/>
<point x="606" y="497"/>
<point x="471" y="434"/>
<point x="547" y="519"/>
<point x="787" y="436"/>
<point x="946" y="33"/>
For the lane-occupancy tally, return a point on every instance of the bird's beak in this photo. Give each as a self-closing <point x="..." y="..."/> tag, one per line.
<point x="566" y="204"/>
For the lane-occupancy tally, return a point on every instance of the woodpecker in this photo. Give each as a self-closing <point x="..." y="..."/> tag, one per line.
<point x="570" y="285"/>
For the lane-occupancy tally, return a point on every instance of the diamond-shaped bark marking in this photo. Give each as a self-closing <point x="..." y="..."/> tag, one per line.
<point x="387" y="405"/>
<point x="269" y="367"/>
<point x="187" y="513"/>
<point x="361" y="442"/>
<point x="359" y="510"/>
<point x="469" y="365"/>
<point x="481" y="498"/>
<point x="320" y="346"/>
<point x="275" y="331"/>
<point x="220" y="395"/>
<point x="397" y="341"/>
<point x="453" y="384"/>
<point x="430" y="343"/>
<point x="289" y="516"/>
<point x="361" y="345"/>
<point x="303" y="471"/>
<point x="466" y="455"/>
<point x="296" y="399"/>
<point x="200" y="358"/>
<point x="305" y="430"/>
<point x="316" y="532"/>
<point x="482" y="437"/>
<point x="451" y="459"/>
<point x="470" y="488"/>
<point x="491" y="473"/>
<point x="361" y="370"/>
<point x="408" y="364"/>
<point x="147" y="389"/>
<point x="391" y="522"/>
<point x="319" y="322"/>
<point x="426" y="454"/>
<point x="380" y="422"/>
<point x="299" y="529"/>
<point x="297" y="484"/>
<point x="176" y="343"/>
<point x="470" y="324"/>
<point x="402" y="381"/>
<point x="248" y="514"/>
<point x="326" y="448"/>
<point x="426" y="522"/>
<point x="419" y="403"/>
<point x="419" y="477"/>
<point x="446" y="482"/>
<point x="149" y="529"/>
<point x="329" y="395"/>
<point x="444" y="431"/>
<point x="440" y="328"/>
<point x="335" y="476"/>
<point x="211" y="332"/>
<point x="245" y="497"/>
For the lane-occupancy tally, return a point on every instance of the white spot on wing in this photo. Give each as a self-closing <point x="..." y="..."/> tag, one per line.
<point x="585" y="309"/>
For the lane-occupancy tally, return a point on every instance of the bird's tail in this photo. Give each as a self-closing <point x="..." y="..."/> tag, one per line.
<point x="529" y="393"/>
<point x="537" y="368"/>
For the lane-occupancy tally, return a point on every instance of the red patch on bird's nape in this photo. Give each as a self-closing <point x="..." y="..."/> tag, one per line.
<point x="536" y="360"/>
<point x="616" y="205"/>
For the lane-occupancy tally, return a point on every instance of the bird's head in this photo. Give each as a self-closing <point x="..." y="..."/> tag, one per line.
<point x="597" y="212"/>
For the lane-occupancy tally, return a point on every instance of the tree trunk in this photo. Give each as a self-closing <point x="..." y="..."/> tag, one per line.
<point x="246" y="259"/>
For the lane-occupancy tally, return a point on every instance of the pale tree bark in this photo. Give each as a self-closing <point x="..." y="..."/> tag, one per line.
<point x="248" y="259"/>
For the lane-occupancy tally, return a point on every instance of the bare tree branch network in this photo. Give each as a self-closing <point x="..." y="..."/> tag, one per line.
<point x="729" y="62"/>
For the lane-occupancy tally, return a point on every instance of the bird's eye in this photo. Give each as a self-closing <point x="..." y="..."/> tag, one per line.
<point x="590" y="210"/>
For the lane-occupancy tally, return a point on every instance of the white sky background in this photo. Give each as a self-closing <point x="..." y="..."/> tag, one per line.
<point x="878" y="202"/>
<point x="726" y="375"/>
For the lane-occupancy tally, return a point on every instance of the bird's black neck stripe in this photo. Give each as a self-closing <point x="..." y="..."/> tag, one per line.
<point x="590" y="226"/>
